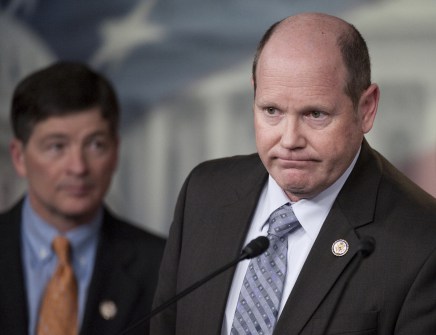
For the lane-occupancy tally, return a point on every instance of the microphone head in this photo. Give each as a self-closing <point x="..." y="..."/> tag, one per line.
<point x="255" y="247"/>
<point x="367" y="245"/>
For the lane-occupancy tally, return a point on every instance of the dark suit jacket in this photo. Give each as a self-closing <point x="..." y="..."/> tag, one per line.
<point x="392" y="292"/>
<point x="125" y="273"/>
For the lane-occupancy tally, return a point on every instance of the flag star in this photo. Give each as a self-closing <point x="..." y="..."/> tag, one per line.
<point x="123" y="34"/>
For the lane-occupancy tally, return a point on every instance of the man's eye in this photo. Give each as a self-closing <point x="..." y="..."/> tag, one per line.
<point x="271" y="110"/>
<point x="316" y="114"/>
<point x="98" y="144"/>
<point x="55" y="146"/>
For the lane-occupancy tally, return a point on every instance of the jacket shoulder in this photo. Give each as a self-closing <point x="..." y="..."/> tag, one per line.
<point x="229" y="168"/>
<point x="127" y="232"/>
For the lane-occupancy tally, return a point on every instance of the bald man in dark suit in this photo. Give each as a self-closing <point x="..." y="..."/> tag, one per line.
<point x="314" y="102"/>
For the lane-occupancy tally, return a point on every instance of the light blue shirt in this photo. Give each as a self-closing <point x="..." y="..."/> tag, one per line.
<point x="39" y="260"/>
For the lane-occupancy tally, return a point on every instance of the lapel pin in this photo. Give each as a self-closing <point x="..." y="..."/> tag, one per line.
<point x="340" y="248"/>
<point x="108" y="309"/>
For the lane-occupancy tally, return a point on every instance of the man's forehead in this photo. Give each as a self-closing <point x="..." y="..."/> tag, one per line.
<point x="91" y="120"/>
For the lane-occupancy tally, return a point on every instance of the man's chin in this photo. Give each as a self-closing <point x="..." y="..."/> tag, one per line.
<point x="293" y="179"/>
<point x="79" y="213"/>
<point x="296" y="194"/>
<point x="297" y="190"/>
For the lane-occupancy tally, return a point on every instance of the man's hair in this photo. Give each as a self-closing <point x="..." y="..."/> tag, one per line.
<point x="354" y="53"/>
<point x="263" y="41"/>
<point x="60" y="89"/>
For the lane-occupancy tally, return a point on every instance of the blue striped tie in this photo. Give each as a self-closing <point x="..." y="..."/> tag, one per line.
<point x="261" y="292"/>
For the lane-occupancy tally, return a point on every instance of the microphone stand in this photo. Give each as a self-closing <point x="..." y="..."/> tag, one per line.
<point x="253" y="249"/>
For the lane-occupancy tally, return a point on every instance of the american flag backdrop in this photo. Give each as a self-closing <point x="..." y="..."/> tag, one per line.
<point x="182" y="73"/>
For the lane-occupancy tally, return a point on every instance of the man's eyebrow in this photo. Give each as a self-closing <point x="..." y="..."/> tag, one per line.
<point x="54" y="136"/>
<point x="99" y="133"/>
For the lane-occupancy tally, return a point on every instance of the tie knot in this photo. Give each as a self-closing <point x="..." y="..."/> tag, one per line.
<point x="282" y="221"/>
<point x="61" y="246"/>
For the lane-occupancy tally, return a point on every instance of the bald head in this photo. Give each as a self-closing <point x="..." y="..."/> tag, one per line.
<point x="323" y="39"/>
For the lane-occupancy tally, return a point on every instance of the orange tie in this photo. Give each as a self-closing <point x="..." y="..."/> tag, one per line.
<point x="58" y="314"/>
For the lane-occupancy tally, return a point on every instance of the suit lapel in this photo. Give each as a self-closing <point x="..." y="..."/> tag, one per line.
<point x="12" y="290"/>
<point x="353" y="208"/>
<point x="222" y="234"/>
<point x="235" y="220"/>
<point x="312" y="287"/>
<point x="110" y="285"/>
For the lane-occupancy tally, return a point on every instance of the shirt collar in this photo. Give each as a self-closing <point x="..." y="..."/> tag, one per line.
<point x="38" y="234"/>
<point x="311" y="213"/>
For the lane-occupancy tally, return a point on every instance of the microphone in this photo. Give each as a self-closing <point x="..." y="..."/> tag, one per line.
<point x="253" y="249"/>
<point x="366" y="248"/>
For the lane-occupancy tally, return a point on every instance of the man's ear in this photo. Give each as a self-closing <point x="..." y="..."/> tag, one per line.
<point x="117" y="151"/>
<point x="368" y="105"/>
<point x="16" y="149"/>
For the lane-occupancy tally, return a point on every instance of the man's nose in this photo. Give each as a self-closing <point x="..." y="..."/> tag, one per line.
<point x="77" y="162"/>
<point x="292" y="133"/>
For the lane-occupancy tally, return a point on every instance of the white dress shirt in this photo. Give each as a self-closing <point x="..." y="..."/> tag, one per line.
<point x="311" y="213"/>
